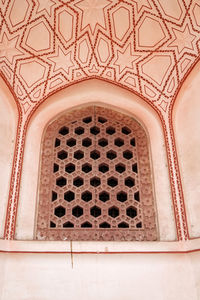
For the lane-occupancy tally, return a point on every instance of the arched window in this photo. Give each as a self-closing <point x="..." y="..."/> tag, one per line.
<point x="95" y="179"/>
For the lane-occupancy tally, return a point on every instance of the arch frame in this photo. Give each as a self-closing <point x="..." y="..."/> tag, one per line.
<point x="97" y="92"/>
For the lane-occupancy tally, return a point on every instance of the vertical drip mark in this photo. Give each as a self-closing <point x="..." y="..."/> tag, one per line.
<point x="71" y="253"/>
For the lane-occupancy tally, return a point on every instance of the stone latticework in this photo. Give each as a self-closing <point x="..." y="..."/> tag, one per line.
<point x="95" y="181"/>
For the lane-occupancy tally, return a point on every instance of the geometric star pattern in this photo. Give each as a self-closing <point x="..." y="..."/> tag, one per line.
<point x="145" y="46"/>
<point x="124" y="42"/>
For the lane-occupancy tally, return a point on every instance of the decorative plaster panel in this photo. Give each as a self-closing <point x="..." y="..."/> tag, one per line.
<point x="146" y="46"/>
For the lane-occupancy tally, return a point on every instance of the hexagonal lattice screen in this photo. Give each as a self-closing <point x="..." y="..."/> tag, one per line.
<point x="95" y="179"/>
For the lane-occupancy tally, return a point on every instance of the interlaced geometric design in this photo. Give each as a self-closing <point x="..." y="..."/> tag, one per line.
<point x="95" y="181"/>
<point x="146" y="46"/>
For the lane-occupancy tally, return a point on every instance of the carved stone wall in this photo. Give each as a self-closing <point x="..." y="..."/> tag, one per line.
<point x="95" y="181"/>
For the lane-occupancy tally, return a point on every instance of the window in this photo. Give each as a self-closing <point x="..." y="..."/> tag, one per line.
<point x="95" y="179"/>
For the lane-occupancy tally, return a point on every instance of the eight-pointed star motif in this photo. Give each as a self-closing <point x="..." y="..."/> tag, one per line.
<point x="125" y="59"/>
<point x="62" y="61"/>
<point x="8" y="48"/>
<point x="183" y="39"/>
<point x="93" y="13"/>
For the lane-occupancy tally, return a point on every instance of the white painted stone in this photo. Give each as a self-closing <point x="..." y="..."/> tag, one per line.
<point x="186" y="120"/>
<point x="8" y="126"/>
